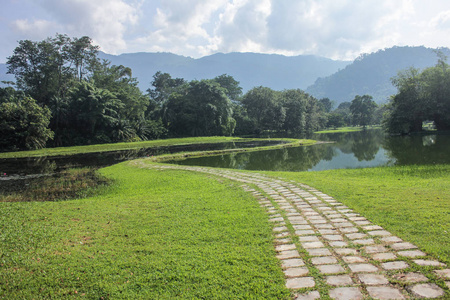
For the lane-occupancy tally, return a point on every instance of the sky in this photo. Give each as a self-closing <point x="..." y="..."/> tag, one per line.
<point x="337" y="29"/>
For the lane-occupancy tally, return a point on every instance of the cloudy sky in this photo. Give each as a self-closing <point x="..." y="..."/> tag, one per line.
<point x="338" y="29"/>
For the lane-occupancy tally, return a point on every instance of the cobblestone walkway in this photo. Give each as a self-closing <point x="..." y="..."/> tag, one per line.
<point x="323" y="245"/>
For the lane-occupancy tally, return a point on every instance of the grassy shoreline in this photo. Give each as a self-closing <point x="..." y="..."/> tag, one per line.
<point x="136" y="145"/>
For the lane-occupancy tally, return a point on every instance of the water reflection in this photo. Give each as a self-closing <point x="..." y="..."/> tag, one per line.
<point x="351" y="150"/>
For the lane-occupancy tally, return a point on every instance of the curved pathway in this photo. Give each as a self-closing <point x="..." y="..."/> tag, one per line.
<point x="326" y="249"/>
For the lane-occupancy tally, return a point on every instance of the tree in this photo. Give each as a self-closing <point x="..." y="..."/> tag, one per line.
<point x="264" y="107"/>
<point x="362" y="109"/>
<point x="294" y="103"/>
<point x="326" y="105"/>
<point x="202" y="109"/>
<point x="24" y="124"/>
<point x="163" y="86"/>
<point x="233" y="90"/>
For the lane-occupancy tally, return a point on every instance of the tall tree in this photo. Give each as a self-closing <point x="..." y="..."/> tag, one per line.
<point x="362" y="109"/>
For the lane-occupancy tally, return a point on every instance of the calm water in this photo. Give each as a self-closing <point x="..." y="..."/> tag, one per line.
<point x="351" y="150"/>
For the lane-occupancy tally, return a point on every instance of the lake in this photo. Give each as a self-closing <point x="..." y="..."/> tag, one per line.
<point x="370" y="148"/>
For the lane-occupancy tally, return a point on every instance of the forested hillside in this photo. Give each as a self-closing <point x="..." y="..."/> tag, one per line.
<point x="371" y="74"/>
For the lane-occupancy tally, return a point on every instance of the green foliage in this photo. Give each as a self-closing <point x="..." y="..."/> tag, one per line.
<point x="362" y="109"/>
<point x="422" y="96"/>
<point x="233" y="90"/>
<point x="23" y="124"/>
<point x="202" y="109"/>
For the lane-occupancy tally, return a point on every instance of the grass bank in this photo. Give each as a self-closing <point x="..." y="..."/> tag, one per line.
<point x="131" y="146"/>
<point x="412" y="202"/>
<point x="150" y="235"/>
<point x="348" y="129"/>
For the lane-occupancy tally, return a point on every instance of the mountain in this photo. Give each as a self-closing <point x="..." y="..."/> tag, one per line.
<point x="250" y="69"/>
<point x="371" y="74"/>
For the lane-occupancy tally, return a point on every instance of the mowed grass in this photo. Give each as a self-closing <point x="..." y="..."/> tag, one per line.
<point x="152" y="234"/>
<point x="412" y="202"/>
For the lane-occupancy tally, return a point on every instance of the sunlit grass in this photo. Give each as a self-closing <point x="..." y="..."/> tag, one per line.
<point x="150" y="235"/>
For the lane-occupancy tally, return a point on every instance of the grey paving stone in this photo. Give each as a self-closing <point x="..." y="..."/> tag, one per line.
<point x="361" y="223"/>
<point x="339" y="220"/>
<point x="323" y="260"/>
<point x="283" y="241"/>
<point x="391" y="239"/>
<point x="379" y="233"/>
<point x="410" y="277"/>
<point x="354" y="259"/>
<point x="333" y="237"/>
<point x="355" y="236"/>
<point x="432" y="263"/>
<point x="328" y="231"/>
<point x="374" y="249"/>
<point x="346" y="293"/>
<point x="384" y="256"/>
<point x="342" y="225"/>
<point x="302" y="227"/>
<point x="346" y="251"/>
<point x="282" y="235"/>
<point x="285" y="247"/>
<point x="339" y="280"/>
<point x="288" y="254"/>
<point x="323" y="226"/>
<point x="448" y="284"/>
<point x="373" y="279"/>
<point x="348" y="230"/>
<point x="403" y="246"/>
<point x="333" y="216"/>
<point x="384" y="292"/>
<point x="358" y="218"/>
<point x="443" y="273"/>
<point x="364" y="242"/>
<point x="296" y="272"/>
<point x="276" y="219"/>
<point x="362" y="268"/>
<point x="292" y="263"/>
<point x="426" y="290"/>
<point x="304" y="232"/>
<point x="318" y="221"/>
<point x="338" y="244"/>
<point x="309" y="238"/>
<point x="309" y="245"/>
<point x="319" y="252"/>
<point x="411" y="253"/>
<point x="394" y="265"/>
<point x="372" y="227"/>
<point x="331" y="269"/>
<point x="309" y="296"/>
<point x="300" y="282"/>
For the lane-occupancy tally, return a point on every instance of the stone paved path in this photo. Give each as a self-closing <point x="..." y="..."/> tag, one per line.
<point x="322" y="243"/>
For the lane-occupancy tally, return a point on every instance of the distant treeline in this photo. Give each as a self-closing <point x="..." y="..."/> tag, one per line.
<point x="64" y="95"/>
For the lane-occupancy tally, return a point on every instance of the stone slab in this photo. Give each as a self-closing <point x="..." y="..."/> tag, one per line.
<point x="309" y="238"/>
<point x="394" y="265"/>
<point x="363" y="268"/>
<point x="443" y="273"/>
<point x="292" y="263"/>
<point x="346" y="251"/>
<point x="403" y="246"/>
<point x="339" y="280"/>
<point x="300" y="282"/>
<point x="354" y="259"/>
<point x="346" y="293"/>
<point x="410" y="277"/>
<point x="364" y="242"/>
<point x="301" y="227"/>
<point x="391" y="239"/>
<point x="384" y="292"/>
<point x="373" y="279"/>
<point x="375" y="249"/>
<point x="355" y="236"/>
<point x="323" y="260"/>
<point x="379" y="233"/>
<point x="309" y="245"/>
<point x="411" y="253"/>
<point x="285" y="247"/>
<point x="304" y="232"/>
<point x="333" y="237"/>
<point x="384" y="256"/>
<point x="309" y="296"/>
<point x="426" y="290"/>
<point x="295" y="272"/>
<point x="288" y="254"/>
<point x="331" y="269"/>
<point x="338" y="244"/>
<point x="431" y="263"/>
<point x="319" y="252"/>
<point x="372" y="227"/>
<point x="348" y="230"/>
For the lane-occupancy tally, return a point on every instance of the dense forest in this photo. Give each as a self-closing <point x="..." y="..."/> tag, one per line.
<point x="65" y="95"/>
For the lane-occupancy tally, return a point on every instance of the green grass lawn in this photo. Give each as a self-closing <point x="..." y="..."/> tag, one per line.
<point x="150" y="235"/>
<point x="347" y="129"/>
<point x="412" y="202"/>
